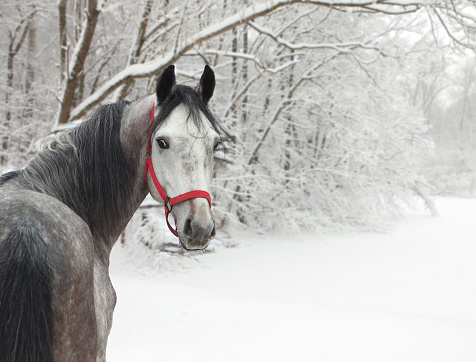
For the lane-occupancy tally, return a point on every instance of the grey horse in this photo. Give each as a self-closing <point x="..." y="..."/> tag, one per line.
<point x="61" y="215"/>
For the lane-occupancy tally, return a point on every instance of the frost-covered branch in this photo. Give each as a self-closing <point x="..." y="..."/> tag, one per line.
<point x="340" y="47"/>
<point x="258" y="61"/>
<point x="248" y="14"/>
<point x="461" y="14"/>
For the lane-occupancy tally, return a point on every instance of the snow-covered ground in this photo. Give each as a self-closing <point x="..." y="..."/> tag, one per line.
<point x="408" y="295"/>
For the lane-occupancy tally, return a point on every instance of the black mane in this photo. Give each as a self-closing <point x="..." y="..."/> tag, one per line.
<point x="86" y="168"/>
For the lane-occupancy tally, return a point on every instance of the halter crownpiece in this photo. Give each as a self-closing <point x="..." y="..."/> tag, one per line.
<point x="168" y="202"/>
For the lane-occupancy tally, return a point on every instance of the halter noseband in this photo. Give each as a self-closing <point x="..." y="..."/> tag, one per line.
<point x="168" y="202"/>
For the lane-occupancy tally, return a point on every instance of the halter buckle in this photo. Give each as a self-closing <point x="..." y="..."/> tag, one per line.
<point x="168" y="205"/>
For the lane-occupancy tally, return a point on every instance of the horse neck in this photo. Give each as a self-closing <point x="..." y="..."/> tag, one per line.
<point x="103" y="182"/>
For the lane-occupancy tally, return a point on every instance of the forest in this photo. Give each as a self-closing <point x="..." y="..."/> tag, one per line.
<point x="341" y="112"/>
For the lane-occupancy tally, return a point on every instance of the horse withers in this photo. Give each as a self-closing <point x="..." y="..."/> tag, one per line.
<point x="61" y="215"/>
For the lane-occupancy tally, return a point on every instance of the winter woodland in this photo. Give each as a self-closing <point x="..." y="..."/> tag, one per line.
<point x="341" y="112"/>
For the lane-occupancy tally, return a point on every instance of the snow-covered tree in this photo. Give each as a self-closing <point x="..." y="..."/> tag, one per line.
<point x="316" y="93"/>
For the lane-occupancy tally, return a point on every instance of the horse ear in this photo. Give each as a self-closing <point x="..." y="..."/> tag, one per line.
<point x="165" y="83"/>
<point x="207" y="84"/>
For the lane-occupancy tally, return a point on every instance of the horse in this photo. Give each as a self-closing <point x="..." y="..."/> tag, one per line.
<point x="61" y="215"/>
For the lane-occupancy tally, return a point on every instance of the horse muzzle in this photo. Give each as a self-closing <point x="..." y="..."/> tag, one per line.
<point x="197" y="232"/>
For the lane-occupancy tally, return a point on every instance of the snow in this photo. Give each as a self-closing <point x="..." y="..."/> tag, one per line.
<point x="406" y="295"/>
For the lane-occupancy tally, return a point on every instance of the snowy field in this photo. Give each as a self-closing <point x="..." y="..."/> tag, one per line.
<point x="409" y="295"/>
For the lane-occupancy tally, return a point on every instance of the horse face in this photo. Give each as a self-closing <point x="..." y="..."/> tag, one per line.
<point x="182" y="156"/>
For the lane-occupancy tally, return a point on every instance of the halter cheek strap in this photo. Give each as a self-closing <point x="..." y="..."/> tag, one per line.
<point x="168" y="202"/>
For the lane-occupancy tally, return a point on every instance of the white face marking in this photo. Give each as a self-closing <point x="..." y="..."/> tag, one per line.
<point x="185" y="165"/>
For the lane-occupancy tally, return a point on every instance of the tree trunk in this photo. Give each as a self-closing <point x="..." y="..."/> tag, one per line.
<point x="30" y="69"/>
<point x="136" y="48"/>
<point x="8" y="115"/>
<point x="14" y="47"/>
<point x="62" y="6"/>
<point x="77" y="61"/>
<point x="244" y="72"/>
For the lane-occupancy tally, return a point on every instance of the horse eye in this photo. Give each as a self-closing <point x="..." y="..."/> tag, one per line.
<point x="218" y="144"/>
<point x="162" y="144"/>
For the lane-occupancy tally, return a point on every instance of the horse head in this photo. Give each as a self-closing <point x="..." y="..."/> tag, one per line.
<point x="182" y="140"/>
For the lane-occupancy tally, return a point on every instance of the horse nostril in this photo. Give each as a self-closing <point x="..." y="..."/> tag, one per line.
<point x="187" y="228"/>
<point x="194" y="229"/>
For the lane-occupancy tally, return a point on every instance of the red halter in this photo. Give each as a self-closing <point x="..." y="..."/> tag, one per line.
<point x="168" y="202"/>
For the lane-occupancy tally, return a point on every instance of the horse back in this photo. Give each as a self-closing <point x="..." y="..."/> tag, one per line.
<point x="46" y="280"/>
